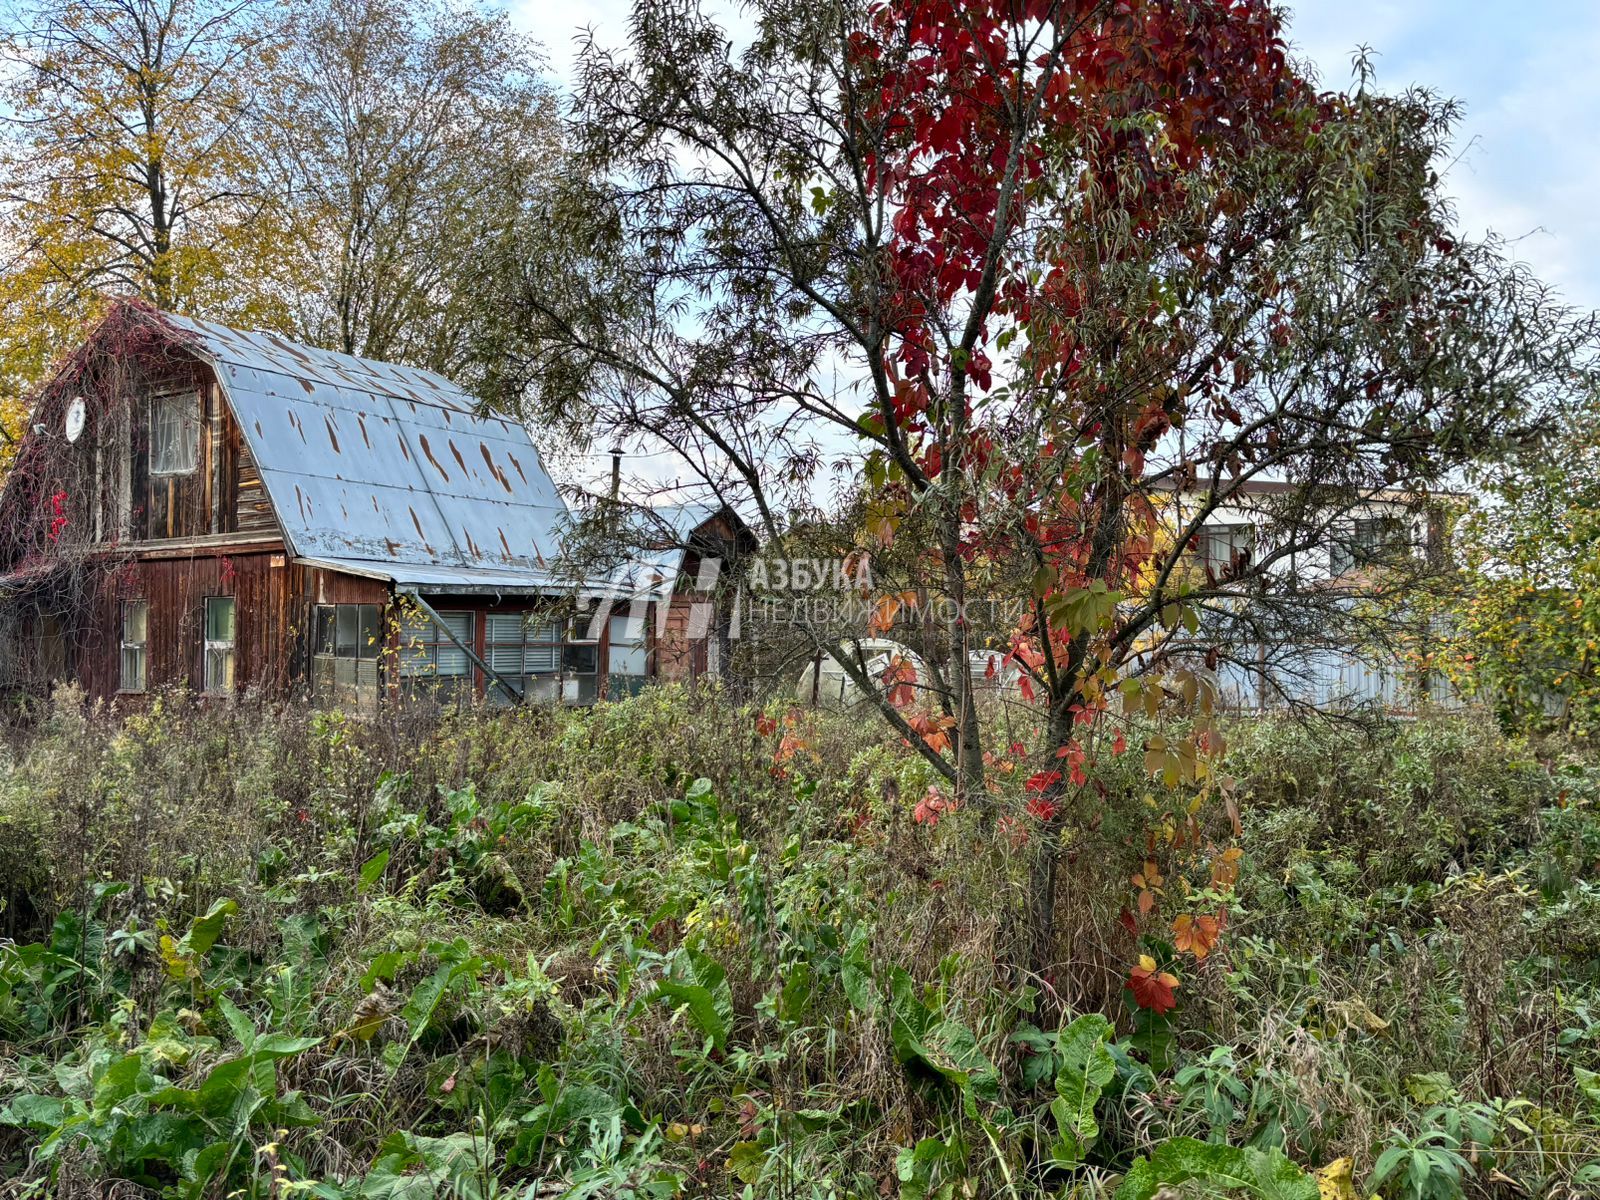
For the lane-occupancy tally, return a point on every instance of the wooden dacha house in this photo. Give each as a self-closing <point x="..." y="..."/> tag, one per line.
<point x="229" y="511"/>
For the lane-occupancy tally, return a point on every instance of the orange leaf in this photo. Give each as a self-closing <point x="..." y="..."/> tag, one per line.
<point x="883" y="615"/>
<point x="1225" y="871"/>
<point x="1196" y="935"/>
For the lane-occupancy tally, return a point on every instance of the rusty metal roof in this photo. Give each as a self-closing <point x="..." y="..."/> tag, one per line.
<point x="386" y="469"/>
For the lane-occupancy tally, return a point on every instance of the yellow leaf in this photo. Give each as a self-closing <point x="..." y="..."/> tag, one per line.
<point x="1335" y="1182"/>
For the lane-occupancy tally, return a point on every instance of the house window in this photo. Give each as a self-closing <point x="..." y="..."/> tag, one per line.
<point x="1369" y="540"/>
<point x="1222" y="547"/>
<point x="580" y="665"/>
<point x="629" y="658"/>
<point x="544" y="659"/>
<point x="219" y="645"/>
<point x="174" y="433"/>
<point x="135" y="644"/>
<point x="344" y="664"/>
<point x="524" y="648"/>
<point x="430" y="659"/>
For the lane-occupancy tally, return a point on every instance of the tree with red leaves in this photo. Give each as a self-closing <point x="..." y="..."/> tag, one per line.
<point x="1080" y="257"/>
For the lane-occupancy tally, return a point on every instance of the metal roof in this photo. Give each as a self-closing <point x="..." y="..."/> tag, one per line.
<point x="448" y="580"/>
<point x="383" y="469"/>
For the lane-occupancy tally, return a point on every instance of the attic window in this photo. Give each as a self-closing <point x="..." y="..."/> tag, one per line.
<point x="174" y="433"/>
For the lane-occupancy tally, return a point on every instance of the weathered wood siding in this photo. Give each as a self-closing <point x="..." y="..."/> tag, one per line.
<point x="273" y="602"/>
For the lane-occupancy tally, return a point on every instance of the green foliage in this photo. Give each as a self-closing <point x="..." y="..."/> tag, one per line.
<point x="547" y="954"/>
<point x="1086" y="1068"/>
<point x="1218" y="1171"/>
<point x="1524" y="632"/>
<point x="1428" y="1167"/>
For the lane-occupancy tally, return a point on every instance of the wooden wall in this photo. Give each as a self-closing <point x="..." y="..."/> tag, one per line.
<point x="273" y="601"/>
<point x="224" y="494"/>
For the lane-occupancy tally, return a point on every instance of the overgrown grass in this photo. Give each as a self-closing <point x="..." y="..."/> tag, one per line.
<point x="651" y="950"/>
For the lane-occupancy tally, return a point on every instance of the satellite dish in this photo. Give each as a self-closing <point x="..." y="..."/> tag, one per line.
<point x="76" y="415"/>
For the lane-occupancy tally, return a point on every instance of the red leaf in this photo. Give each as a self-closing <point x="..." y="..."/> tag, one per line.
<point x="1152" y="988"/>
<point x="933" y="805"/>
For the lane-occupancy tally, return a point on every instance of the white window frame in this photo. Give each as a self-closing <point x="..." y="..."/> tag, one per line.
<point x="140" y="648"/>
<point x="219" y="650"/>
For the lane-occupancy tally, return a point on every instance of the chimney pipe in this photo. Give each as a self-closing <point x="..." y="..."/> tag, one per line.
<point x="616" y="473"/>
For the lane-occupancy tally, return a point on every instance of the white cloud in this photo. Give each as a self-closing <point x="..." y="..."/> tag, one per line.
<point x="560" y="25"/>
<point x="1527" y="169"/>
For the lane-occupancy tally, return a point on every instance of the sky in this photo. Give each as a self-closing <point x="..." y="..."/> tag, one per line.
<point x="1528" y="152"/>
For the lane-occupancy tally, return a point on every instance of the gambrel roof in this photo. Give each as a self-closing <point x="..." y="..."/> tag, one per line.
<point x="384" y="470"/>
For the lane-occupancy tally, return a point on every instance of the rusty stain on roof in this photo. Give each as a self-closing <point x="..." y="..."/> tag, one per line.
<point x="422" y="440"/>
<point x="494" y="467"/>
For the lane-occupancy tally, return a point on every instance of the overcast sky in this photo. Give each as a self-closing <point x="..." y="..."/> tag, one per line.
<point x="1530" y="142"/>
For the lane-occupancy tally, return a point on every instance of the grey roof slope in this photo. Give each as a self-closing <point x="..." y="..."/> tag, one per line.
<point x="386" y="470"/>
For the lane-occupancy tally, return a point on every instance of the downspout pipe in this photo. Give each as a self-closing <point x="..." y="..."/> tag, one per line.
<point x="489" y="672"/>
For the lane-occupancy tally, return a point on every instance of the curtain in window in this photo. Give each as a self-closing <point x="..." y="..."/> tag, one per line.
<point x="174" y="433"/>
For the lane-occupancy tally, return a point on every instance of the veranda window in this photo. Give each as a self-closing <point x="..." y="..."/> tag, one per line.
<point x="524" y="648"/>
<point x="629" y="658"/>
<point x="543" y="658"/>
<point x="347" y="640"/>
<point x="430" y="660"/>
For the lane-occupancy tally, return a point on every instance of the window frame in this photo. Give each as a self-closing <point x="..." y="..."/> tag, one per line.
<point x="1355" y="552"/>
<point x="210" y="646"/>
<point x="124" y="646"/>
<point x="624" y="654"/>
<point x="416" y="648"/>
<point x="188" y="417"/>
<point x="538" y="651"/>
<point x="555" y="664"/>
<point x="1208" y="534"/>
<point x="329" y="649"/>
